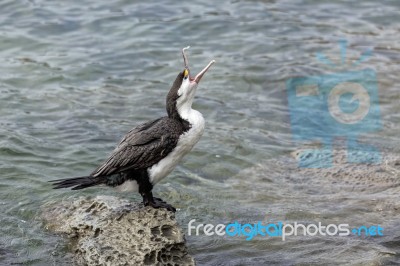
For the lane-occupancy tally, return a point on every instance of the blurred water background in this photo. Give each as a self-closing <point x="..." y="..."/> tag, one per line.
<point x="77" y="75"/>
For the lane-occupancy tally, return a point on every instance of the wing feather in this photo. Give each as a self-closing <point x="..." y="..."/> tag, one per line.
<point x="142" y="147"/>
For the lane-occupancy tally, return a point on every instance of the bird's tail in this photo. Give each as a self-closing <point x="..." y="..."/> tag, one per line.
<point x="77" y="182"/>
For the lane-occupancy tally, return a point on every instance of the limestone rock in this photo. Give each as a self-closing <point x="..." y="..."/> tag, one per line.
<point x="112" y="231"/>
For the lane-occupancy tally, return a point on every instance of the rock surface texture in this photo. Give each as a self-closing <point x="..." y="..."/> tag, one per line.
<point x="110" y="231"/>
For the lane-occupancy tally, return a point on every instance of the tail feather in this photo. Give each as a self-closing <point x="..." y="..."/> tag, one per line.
<point x="77" y="182"/>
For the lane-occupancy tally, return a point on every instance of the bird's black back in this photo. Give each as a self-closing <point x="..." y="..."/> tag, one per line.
<point x="144" y="146"/>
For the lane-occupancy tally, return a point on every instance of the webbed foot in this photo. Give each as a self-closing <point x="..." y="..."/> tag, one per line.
<point x="158" y="203"/>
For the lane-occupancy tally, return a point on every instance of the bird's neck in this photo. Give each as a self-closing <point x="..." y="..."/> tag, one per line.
<point x="184" y="113"/>
<point x="185" y="110"/>
<point x="193" y="118"/>
<point x="177" y="114"/>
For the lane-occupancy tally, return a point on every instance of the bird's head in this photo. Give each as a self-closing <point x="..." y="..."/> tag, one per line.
<point x="181" y="94"/>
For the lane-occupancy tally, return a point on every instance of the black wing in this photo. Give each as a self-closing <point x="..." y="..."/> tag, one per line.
<point x="142" y="147"/>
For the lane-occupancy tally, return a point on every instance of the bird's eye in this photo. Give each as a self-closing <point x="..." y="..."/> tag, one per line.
<point x="185" y="74"/>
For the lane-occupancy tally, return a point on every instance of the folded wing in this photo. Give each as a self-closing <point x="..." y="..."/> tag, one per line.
<point x="142" y="147"/>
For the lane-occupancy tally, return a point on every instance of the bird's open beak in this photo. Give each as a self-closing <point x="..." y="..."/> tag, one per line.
<point x="198" y="77"/>
<point x="201" y="73"/>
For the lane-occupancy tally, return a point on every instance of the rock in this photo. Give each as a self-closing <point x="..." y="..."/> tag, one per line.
<point x="111" y="231"/>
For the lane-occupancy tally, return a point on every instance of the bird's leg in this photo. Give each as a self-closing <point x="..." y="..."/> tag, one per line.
<point x="145" y="188"/>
